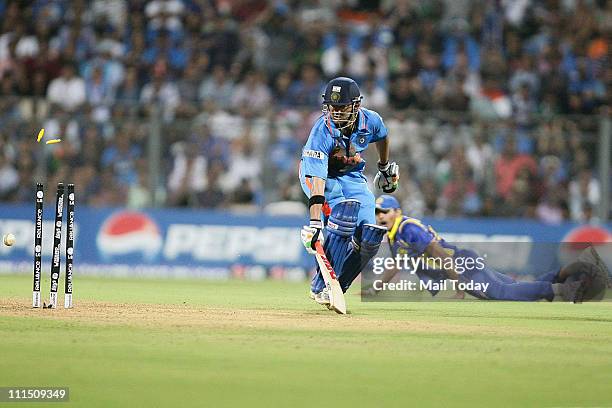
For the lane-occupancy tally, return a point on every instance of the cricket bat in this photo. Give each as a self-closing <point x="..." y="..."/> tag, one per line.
<point x="336" y="297"/>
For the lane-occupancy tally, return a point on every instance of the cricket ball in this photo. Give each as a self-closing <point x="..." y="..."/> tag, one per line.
<point x="8" y="239"/>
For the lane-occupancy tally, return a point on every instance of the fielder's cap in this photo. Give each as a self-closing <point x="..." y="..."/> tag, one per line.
<point x="387" y="202"/>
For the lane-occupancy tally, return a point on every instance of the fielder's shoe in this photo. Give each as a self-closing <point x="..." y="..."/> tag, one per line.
<point x="590" y="255"/>
<point x="574" y="291"/>
<point x="321" y="298"/>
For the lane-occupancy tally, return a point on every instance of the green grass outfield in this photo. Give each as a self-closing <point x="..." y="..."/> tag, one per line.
<point x="179" y="343"/>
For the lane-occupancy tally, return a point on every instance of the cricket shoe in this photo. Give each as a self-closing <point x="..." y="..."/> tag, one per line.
<point x="590" y="255"/>
<point x="321" y="298"/>
<point x="598" y="276"/>
<point x="574" y="291"/>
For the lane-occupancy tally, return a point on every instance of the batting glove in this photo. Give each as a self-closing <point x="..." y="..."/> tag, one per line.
<point x="387" y="178"/>
<point x="311" y="234"/>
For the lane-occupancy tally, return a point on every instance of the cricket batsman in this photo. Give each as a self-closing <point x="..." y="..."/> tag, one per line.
<point x="331" y="175"/>
<point x="584" y="279"/>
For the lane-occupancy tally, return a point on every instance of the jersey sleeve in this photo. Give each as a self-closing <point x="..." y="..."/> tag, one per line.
<point x="379" y="130"/>
<point x="315" y="154"/>
<point x="416" y="235"/>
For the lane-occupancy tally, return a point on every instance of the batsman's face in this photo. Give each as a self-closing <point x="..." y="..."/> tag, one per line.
<point x="342" y="115"/>
<point x="386" y="218"/>
<point x="341" y="110"/>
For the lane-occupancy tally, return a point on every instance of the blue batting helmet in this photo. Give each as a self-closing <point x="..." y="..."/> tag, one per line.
<point x="341" y="91"/>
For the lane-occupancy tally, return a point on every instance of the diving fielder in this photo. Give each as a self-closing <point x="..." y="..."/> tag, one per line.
<point x="585" y="279"/>
<point x="331" y="175"/>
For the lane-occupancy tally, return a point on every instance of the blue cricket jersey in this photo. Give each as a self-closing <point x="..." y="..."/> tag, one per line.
<point x="318" y="158"/>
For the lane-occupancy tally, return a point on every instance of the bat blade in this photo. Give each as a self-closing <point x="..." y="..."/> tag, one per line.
<point x="336" y="296"/>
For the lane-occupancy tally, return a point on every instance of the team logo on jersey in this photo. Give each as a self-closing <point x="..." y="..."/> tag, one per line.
<point x="315" y="154"/>
<point x="335" y="96"/>
<point x="336" y="89"/>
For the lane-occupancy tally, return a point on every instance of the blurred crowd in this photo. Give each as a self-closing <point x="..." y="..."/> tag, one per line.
<point x="493" y="106"/>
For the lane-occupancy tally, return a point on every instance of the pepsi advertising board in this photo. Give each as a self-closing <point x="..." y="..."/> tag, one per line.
<point x="193" y="243"/>
<point x="159" y="242"/>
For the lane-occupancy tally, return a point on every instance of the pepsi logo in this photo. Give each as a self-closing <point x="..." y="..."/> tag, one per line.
<point x="585" y="235"/>
<point x="129" y="233"/>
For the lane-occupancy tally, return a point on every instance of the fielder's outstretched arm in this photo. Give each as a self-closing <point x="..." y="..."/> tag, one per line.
<point x="385" y="278"/>
<point x="435" y="250"/>
<point x="389" y="274"/>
